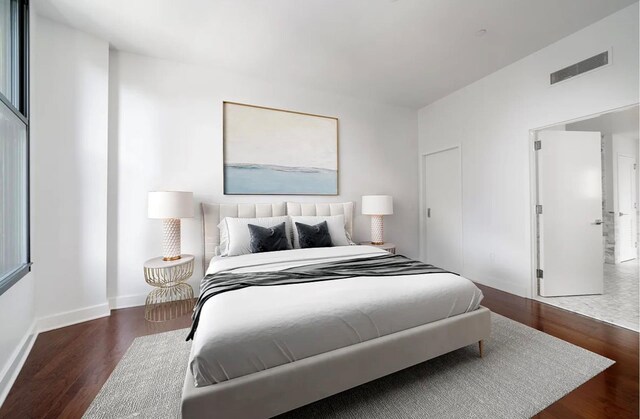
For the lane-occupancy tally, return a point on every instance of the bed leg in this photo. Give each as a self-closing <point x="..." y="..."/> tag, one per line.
<point x="481" y="348"/>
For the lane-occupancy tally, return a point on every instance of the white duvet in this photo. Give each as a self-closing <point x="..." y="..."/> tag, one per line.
<point x="248" y="330"/>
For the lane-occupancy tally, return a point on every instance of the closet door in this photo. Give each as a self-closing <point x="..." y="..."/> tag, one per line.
<point x="443" y="209"/>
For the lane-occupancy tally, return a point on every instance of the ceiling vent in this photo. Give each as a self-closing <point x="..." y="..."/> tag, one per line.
<point x="582" y="67"/>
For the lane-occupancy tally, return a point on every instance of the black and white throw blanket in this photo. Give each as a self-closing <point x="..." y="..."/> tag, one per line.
<point x="385" y="265"/>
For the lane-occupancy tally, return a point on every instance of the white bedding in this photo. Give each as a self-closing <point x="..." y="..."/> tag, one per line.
<point x="248" y="330"/>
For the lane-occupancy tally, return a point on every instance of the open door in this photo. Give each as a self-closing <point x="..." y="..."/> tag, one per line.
<point x="626" y="216"/>
<point x="571" y="250"/>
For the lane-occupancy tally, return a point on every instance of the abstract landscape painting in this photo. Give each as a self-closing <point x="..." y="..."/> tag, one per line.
<point x="275" y="152"/>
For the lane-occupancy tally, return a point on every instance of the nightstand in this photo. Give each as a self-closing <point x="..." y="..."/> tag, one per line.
<point x="173" y="296"/>
<point x="389" y="247"/>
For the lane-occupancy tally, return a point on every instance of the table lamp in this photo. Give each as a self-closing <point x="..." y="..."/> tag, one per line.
<point x="377" y="206"/>
<point x="170" y="207"/>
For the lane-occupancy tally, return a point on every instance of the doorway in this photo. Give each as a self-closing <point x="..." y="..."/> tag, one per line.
<point x="586" y="222"/>
<point x="626" y="248"/>
<point x="442" y="215"/>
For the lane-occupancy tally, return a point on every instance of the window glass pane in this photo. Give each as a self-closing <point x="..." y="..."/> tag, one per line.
<point x="7" y="40"/>
<point x="13" y="192"/>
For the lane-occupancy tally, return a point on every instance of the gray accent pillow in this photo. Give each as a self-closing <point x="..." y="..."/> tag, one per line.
<point x="268" y="239"/>
<point x="314" y="235"/>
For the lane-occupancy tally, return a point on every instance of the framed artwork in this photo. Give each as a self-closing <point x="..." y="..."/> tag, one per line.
<point x="277" y="152"/>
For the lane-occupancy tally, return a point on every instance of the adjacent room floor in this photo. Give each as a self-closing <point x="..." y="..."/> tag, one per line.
<point x="618" y="304"/>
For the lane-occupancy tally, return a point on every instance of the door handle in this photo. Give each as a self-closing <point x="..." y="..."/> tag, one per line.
<point x="428" y="212"/>
<point x="597" y="222"/>
<point x="620" y="214"/>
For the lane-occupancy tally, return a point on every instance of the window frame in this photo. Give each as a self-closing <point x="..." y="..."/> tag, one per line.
<point x="21" y="78"/>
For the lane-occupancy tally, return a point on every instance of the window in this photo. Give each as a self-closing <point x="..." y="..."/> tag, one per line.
<point x="14" y="142"/>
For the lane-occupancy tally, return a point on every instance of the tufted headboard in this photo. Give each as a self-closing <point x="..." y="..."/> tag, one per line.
<point x="212" y="214"/>
<point x="344" y="208"/>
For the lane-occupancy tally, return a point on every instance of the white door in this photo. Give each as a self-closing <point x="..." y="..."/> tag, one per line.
<point x="626" y="216"/>
<point x="570" y="226"/>
<point x="443" y="210"/>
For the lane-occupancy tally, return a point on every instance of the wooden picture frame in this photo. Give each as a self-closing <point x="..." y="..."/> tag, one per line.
<point x="268" y="151"/>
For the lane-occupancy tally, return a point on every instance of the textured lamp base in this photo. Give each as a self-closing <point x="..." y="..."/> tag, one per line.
<point x="377" y="230"/>
<point x="171" y="239"/>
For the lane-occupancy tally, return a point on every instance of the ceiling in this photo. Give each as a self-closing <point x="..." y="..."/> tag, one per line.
<point x="403" y="52"/>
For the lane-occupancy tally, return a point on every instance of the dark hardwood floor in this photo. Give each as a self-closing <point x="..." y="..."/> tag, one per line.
<point x="67" y="367"/>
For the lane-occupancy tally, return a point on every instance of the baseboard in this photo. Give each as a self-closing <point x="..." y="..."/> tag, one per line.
<point x="16" y="361"/>
<point x="503" y="286"/>
<point x="126" y="301"/>
<point x="69" y="318"/>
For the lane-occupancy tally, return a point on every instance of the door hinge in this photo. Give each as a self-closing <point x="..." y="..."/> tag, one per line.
<point x="635" y="166"/>
<point x="538" y="209"/>
<point x="539" y="274"/>
<point x="537" y="145"/>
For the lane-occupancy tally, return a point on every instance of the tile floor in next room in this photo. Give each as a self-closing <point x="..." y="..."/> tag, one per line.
<point x="619" y="303"/>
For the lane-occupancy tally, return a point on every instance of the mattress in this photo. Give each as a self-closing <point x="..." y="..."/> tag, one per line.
<point x="252" y="329"/>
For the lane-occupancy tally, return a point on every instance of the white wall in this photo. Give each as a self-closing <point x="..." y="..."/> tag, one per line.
<point x="17" y="311"/>
<point x="166" y="133"/>
<point x="69" y="81"/>
<point x="491" y="119"/>
<point x="17" y="331"/>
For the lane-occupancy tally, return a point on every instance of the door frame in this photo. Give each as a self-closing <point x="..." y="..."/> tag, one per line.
<point x="533" y="191"/>
<point x="616" y="203"/>
<point x="423" y="203"/>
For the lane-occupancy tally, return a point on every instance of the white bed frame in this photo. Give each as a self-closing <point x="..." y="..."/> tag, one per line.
<point x="277" y="390"/>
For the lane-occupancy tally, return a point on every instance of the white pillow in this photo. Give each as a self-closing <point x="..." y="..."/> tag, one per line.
<point x="235" y="238"/>
<point x="223" y="247"/>
<point x="337" y="231"/>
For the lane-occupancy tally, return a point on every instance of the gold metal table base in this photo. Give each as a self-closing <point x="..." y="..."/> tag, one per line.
<point x="173" y="297"/>
<point x="168" y="303"/>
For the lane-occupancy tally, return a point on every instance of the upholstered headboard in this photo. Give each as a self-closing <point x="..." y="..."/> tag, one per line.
<point x="212" y="214"/>
<point x="344" y="208"/>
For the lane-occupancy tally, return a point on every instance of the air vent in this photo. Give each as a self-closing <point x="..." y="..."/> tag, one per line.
<point x="582" y="67"/>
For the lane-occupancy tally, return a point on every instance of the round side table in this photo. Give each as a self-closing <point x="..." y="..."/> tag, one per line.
<point x="389" y="247"/>
<point x="173" y="297"/>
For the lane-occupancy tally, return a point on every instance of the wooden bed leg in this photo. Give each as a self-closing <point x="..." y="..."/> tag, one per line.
<point x="481" y="348"/>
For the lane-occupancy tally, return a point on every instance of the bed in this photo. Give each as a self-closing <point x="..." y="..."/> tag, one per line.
<point x="261" y="351"/>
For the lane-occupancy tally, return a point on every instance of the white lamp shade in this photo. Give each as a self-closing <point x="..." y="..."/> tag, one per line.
<point x="170" y="204"/>
<point x="377" y="205"/>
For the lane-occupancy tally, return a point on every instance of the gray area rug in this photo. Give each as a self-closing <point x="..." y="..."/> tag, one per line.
<point x="522" y="372"/>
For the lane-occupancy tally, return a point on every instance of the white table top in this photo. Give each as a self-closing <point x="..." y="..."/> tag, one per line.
<point x="386" y="245"/>
<point x="158" y="263"/>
